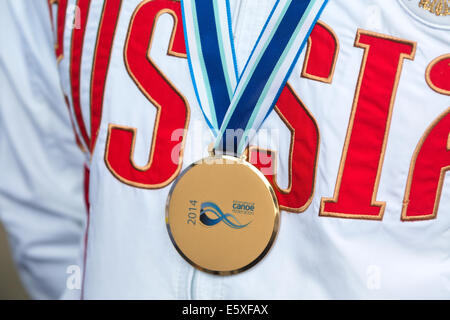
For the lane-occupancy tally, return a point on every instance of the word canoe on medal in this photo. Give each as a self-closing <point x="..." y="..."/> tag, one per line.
<point x="222" y="214"/>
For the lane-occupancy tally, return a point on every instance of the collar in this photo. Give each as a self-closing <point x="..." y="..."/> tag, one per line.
<point x="434" y="13"/>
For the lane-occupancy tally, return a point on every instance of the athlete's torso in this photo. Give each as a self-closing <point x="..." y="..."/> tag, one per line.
<point x="359" y="144"/>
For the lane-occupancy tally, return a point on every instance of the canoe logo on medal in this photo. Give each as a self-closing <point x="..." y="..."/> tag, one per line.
<point x="211" y="214"/>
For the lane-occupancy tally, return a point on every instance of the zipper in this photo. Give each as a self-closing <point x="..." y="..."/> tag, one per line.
<point x="241" y="11"/>
<point x="236" y="15"/>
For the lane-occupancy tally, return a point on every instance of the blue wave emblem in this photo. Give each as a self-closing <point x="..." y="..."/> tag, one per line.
<point x="227" y="218"/>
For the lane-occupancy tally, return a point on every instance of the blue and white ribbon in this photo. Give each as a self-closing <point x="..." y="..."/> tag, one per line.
<point x="242" y="102"/>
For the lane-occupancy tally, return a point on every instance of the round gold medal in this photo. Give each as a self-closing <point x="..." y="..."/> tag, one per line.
<point x="222" y="215"/>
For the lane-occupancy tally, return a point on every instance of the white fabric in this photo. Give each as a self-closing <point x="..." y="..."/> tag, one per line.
<point x="41" y="195"/>
<point x="129" y="253"/>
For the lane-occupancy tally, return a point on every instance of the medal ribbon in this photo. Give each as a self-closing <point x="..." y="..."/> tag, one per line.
<point x="242" y="102"/>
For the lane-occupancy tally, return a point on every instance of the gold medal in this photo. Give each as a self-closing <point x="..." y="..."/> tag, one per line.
<point x="222" y="215"/>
